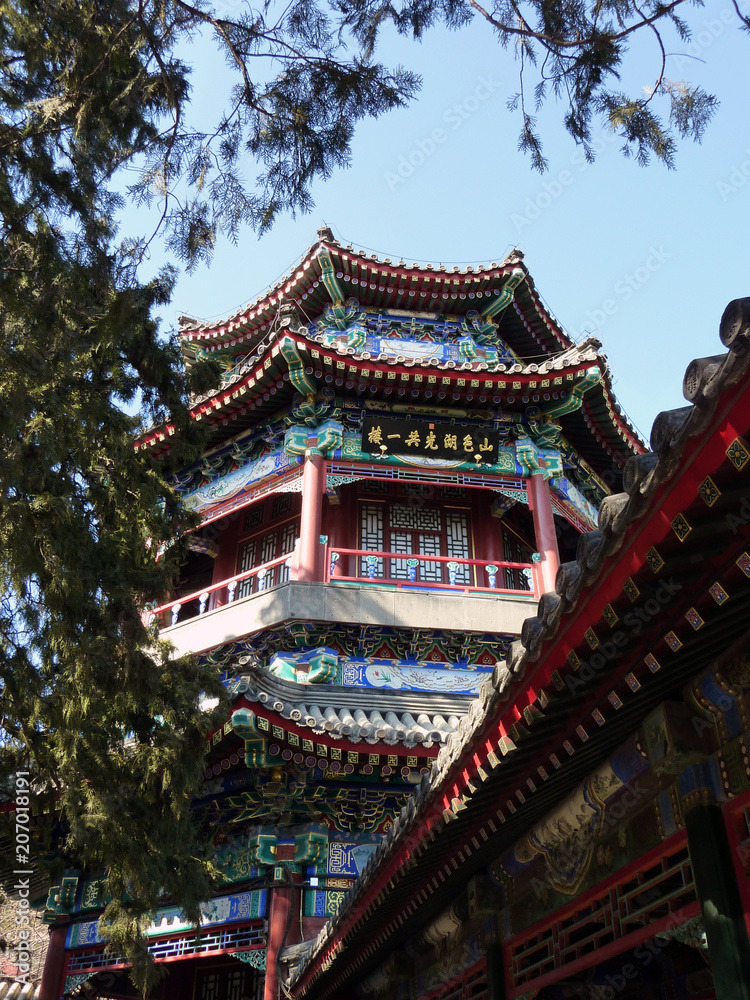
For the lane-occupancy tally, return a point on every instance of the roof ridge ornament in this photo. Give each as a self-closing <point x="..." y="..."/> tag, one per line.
<point x="287" y="318"/>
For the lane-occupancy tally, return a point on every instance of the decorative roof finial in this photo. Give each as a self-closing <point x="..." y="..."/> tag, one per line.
<point x="287" y="317"/>
<point x="325" y="234"/>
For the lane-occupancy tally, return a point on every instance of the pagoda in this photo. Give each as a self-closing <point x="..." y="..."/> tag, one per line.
<point x="400" y="458"/>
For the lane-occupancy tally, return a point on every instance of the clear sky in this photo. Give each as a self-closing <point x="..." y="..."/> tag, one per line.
<point x="646" y="259"/>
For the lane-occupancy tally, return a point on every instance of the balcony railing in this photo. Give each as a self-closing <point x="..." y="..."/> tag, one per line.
<point x="218" y="594"/>
<point x="412" y="572"/>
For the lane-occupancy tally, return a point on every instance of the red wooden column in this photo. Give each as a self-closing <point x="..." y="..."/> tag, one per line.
<point x="279" y="918"/>
<point x="54" y="964"/>
<point x="337" y="528"/>
<point x="313" y="487"/>
<point x="540" y="504"/>
<point x="283" y="920"/>
<point x="225" y="564"/>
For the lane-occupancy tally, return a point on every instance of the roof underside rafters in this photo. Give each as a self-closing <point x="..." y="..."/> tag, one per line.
<point x="258" y="388"/>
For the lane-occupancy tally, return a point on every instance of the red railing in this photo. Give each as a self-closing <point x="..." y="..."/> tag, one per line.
<point x="377" y="565"/>
<point x="265" y="576"/>
<point x="641" y="902"/>
<point x="219" y="594"/>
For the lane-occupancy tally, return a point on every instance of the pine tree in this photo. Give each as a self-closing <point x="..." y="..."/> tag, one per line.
<point x="92" y="704"/>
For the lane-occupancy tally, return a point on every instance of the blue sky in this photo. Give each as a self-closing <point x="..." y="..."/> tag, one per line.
<point x="646" y="259"/>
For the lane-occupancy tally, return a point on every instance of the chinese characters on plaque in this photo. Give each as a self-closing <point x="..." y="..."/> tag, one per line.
<point x="431" y="439"/>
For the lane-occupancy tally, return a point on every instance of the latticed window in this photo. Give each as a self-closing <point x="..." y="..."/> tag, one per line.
<point x="210" y="986"/>
<point x="457" y="542"/>
<point x="415" y="530"/>
<point x="376" y="486"/>
<point x="288" y="538"/>
<point x="416" y="518"/>
<point x="429" y="545"/>
<point x="371" y="535"/>
<point x="417" y="490"/>
<point x="267" y="547"/>
<point x="269" y="541"/>
<point x="282" y="504"/>
<point x="253" y="517"/>
<point x="453" y="492"/>
<point x="235" y="983"/>
<point x="422" y="537"/>
<point x="401" y="541"/>
<point x="246" y="562"/>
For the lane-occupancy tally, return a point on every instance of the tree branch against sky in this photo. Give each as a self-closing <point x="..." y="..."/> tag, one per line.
<point x="305" y="74"/>
<point x="89" y="89"/>
<point x="573" y="53"/>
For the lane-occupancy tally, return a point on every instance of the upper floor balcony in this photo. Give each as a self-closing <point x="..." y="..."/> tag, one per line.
<point x="371" y="553"/>
<point x="403" y="593"/>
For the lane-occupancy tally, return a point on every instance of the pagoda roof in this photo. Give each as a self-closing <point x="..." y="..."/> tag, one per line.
<point x="259" y="386"/>
<point x="272" y="354"/>
<point x="384" y="284"/>
<point x="356" y="714"/>
<point x="670" y="553"/>
<point x="360" y="735"/>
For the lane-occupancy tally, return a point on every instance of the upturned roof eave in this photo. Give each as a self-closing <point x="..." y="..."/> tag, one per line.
<point x="379" y="283"/>
<point x="299" y="704"/>
<point x="566" y="370"/>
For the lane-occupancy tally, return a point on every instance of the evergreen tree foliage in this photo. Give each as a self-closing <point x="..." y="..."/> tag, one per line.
<point x="92" y="704"/>
<point x="574" y="52"/>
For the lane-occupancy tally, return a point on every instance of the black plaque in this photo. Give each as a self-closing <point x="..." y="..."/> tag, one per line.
<point x="429" y="439"/>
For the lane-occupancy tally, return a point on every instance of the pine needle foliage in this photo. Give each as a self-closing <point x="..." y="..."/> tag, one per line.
<point x="573" y="52"/>
<point x="91" y="702"/>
